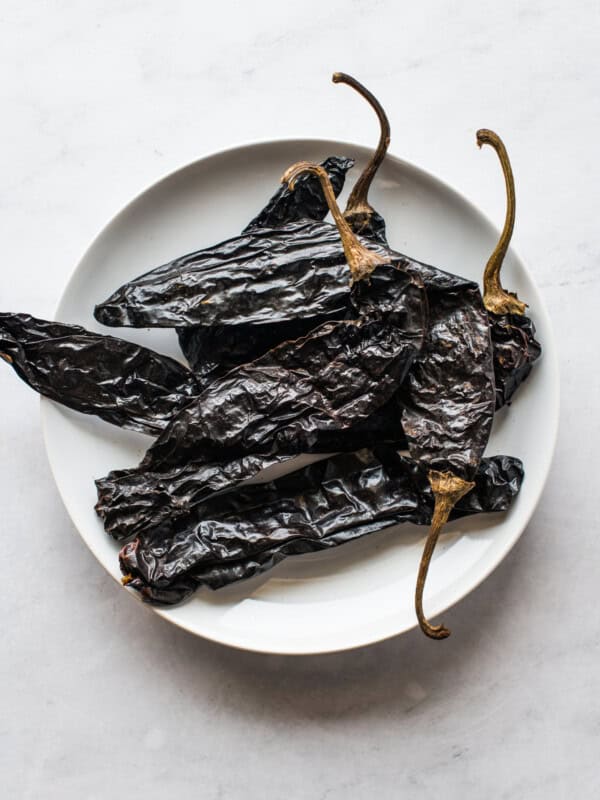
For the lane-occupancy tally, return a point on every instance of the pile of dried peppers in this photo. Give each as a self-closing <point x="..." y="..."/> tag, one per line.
<point x="302" y="336"/>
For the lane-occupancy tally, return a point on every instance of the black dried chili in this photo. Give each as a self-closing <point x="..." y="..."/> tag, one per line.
<point x="270" y="274"/>
<point x="449" y="402"/>
<point x="513" y="333"/>
<point x="120" y="382"/>
<point x="324" y="505"/>
<point x="213" y="351"/>
<point x="284" y="401"/>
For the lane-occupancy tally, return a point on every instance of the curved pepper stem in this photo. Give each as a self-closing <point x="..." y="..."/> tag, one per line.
<point x="361" y="261"/>
<point x="495" y="298"/>
<point x="358" y="210"/>
<point x="6" y="358"/>
<point x="447" y="491"/>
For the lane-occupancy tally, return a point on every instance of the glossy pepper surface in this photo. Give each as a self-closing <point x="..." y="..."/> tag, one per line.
<point x="283" y="402"/>
<point x="213" y="351"/>
<point x="321" y="506"/>
<point x="120" y="382"/>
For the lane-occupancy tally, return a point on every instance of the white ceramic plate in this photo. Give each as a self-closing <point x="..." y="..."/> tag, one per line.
<point x="361" y="592"/>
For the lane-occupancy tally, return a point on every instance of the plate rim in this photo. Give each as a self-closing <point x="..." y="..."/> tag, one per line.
<point x="550" y="353"/>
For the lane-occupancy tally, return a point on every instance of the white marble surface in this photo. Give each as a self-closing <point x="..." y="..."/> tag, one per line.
<point x="99" y="696"/>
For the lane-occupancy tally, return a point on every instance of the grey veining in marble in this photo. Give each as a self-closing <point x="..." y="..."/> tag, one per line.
<point x="101" y="698"/>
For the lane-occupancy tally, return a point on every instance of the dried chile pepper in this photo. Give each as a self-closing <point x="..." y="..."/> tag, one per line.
<point x="120" y="382"/>
<point x="449" y="403"/>
<point x="282" y="402"/>
<point x="131" y="500"/>
<point x="270" y="274"/>
<point x="213" y="351"/>
<point x="278" y="405"/>
<point x="513" y="333"/>
<point x="322" y="506"/>
<point x="295" y="272"/>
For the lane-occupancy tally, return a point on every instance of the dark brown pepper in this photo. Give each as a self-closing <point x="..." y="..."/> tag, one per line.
<point x="321" y="506"/>
<point x="190" y="291"/>
<point x="213" y="351"/>
<point x="120" y="382"/>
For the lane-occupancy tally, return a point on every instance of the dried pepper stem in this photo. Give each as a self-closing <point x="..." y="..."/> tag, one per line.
<point x="447" y="491"/>
<point x="496" y="299"/>
<point x="358" y="210"/>
<point x="361" y="261"/>
<point x="6" y="358"/>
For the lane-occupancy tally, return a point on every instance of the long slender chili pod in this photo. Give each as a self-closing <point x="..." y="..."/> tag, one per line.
<point x="285" y="251"/>
<point x="322" y="506"/>
<point x="120" y="382"/>
<point x="359" y="213"/>
<point x="449" y="400"/>
<point x="513" y="333"/>
<point x="212" y="351"/>
<point x="495" y="298"/>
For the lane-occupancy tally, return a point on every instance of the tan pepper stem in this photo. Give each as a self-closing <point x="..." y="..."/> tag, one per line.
<point x="495" y="298"/>
<point x="447" y="491"/>
<point x="361" y="260"/>
<point x="358" y="208"/>
<point x="6" y="357"/>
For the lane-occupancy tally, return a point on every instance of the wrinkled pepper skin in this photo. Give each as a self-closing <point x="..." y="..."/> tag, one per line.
<point x="306" y="201"/>
<point x="449" y="402"/>
<point x="515" y="351"/>
<point x="324" y="505"/>
<point x="326" y="381"/>
<point x="131" y="500"/>
<point x="120" y="382"/>
<point x="124" y="495"/>
<point x="297" y="271"/>
<point x="212" y="352"/>
<point x="277" y="405"/>
<point x="449" y="397"/>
